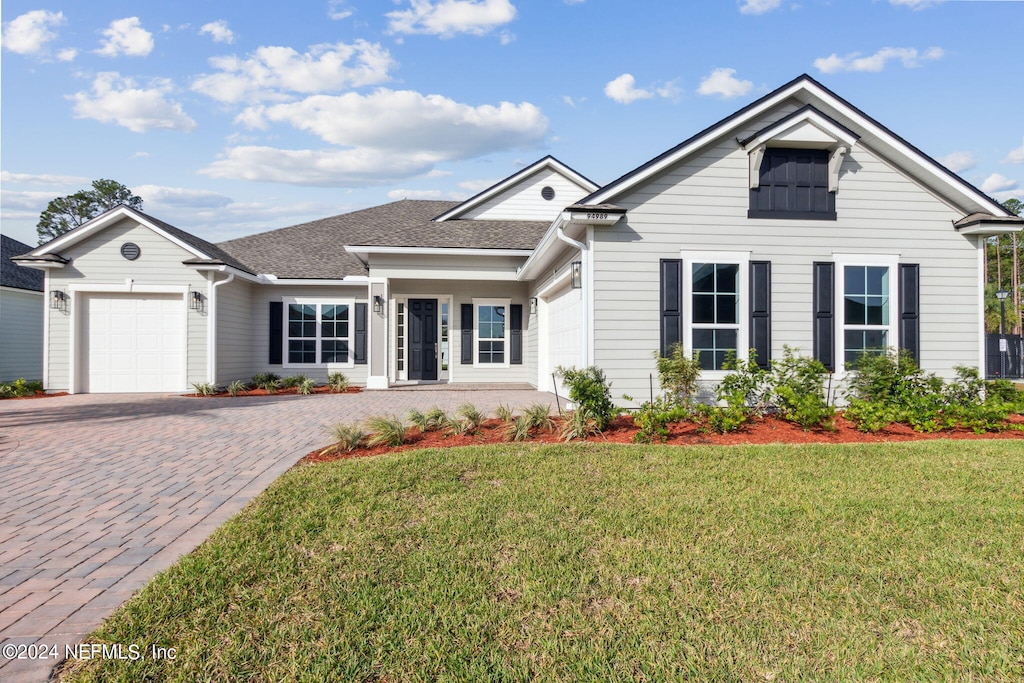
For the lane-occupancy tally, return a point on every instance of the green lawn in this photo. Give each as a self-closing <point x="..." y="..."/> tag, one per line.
<point x="597" y="562"/>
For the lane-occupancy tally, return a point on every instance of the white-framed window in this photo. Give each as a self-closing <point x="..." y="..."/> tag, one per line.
<point x="716" y="307"/>
<point x="866" y="305"/>
<point x="491" y="336"/>
<point x="318" y="332"/>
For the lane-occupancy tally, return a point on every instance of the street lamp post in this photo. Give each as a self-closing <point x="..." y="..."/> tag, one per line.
<point x="1002" y="294"/>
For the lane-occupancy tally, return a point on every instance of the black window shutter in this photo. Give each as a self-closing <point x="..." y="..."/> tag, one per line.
<point x="516" y="329"/>
<point x="910" y="304"/>
<point x="761" y="311"/>
<point x="276" y="332"/>
<point x="671" y="303"/>
<point x="824" y="316"/>
<point x="360" y="342"/>
<point x="467" y="334"/>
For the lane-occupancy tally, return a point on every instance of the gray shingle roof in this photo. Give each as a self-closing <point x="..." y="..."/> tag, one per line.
<point x="317" y="249"/>
<point x="13" y="275"/>
<point x="214" y="252"/>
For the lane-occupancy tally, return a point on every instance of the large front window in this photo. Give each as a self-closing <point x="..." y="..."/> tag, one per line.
<point x="715" y="306"/>
<point x="318" y="333"/>
<point x="866" y="299"/>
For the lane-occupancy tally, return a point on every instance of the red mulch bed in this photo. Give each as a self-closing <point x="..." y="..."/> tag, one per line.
<point x="38" y="394"/>
<point x="621" y="430"/>
<point x="290" y="391"/>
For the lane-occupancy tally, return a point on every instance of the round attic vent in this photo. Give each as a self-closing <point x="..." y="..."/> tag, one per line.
<point x="548" y="193"/>
<point x="130" y="251"/>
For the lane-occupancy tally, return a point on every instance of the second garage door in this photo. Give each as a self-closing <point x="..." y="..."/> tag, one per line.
<point x="134" y="343"/>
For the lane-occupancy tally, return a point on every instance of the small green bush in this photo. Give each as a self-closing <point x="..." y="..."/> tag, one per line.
<point x="293" y="381"/>
<point x="387" y="431"/>
<point x="436" y="417"/>
<point x="503" y="413"/>
<point x="237" y="387"/>
<point x="419" y="419"/>
<point x="205" y="388"/>
<point x="723" y="419"/>
<point x="348" y="436"/>
<point x="267" y="381"/>
<point x="306" y="386"/>
<point x="338" y="382"/>
<point x="798" y="391"/>
<point x="539" y="417"/>
<point x="589" y="389"/>
<point x="20" y="387"/>
<point x="748" y="380"/>
<point x="471" y="416"/>
<point x="519" y="429"/>
<point x="678" y="374"/>
<point x="653" y="419"/>
<point x="580" y="425"/>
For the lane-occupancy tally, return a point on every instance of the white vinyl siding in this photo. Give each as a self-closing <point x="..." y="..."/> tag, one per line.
<point x="235" y="331"/>
<point x="21" y="334"/>
<point x="702" y="205"/>
<point x="523" y="202"/>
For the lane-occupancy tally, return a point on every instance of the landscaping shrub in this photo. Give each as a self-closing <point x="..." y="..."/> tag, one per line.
<point x="589" y="389"/>
<point x="471" y="416"/>
<point x="798" y="391"/>
<point x="20" y="387"/>
<point x="306" y="386"/>
<point x="267" y="381"/>
<point x="347" y="436"/>
<point x="387" y="431"/>
<point x="436" y="417"/>
<point x="237" y="387"/>
<point x="205" y="388"/>
<point x="580" y="425"/>
<point x="338" y="382"/>
<point x="503" y="412"/>
<point x="653" y="418"/>
<point x="539" y="417"/>
<point x="519" y="429"/>
<point x="678" y="374"/>
<point x="418" y="418"/>
<point x="292" y="381"/>
<point x="749" y="381"/>
<point x="723" y="419"/>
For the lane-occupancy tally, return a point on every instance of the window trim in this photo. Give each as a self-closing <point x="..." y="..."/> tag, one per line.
<point x="319" y="301"/>
<point x="477" y="303"/>
<point x="891" y="261"/>
<point x="740" y="258"/>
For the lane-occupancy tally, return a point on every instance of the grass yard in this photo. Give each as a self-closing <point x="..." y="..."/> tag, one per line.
<point x="888" y="562"/>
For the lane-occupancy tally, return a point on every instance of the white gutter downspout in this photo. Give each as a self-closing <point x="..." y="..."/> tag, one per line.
<point x="584" y="270"/>
<point x="211" y="329"/>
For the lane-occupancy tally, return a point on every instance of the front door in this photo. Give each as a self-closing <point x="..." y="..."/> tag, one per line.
<point x="423" y="339"/>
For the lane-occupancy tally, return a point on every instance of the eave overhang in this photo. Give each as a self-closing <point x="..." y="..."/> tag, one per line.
<point x="988" y="225"/>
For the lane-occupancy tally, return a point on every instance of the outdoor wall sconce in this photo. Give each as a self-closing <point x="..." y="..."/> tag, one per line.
<point x="195" y="301"/>
<point x="533" y="304"/>
<point x="59" y="300"/>
<point x="576" y="274"/>
<point x="378" y="304"/>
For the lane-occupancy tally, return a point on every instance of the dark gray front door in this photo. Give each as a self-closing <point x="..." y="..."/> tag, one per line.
<point x="423" y="339"/>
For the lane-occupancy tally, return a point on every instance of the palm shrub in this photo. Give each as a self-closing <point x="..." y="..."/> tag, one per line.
<point x="347" y="436"/>
<point x="267" y="381"/>
<point x="337" y="382"/>
<point x="471" y="416"/>
<point x="539" y="417"/>
<point x="436" y="417"/>
<point x="678" y="374"/>
<point x="293" y="381"/>
<point x="237" y="387"/>
<point x="306" y="386"/>
<point x="205" y="388"/>
<point x="589" y="389"/>
<point x="519" y="429"/>
<point x="387" y="431"/>
<point x="503" y="412"/>
<point x="580" y="425"/>
<point x="419" y="419"/>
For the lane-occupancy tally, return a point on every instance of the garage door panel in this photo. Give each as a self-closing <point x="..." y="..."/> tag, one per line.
<point x="134" y="343"/>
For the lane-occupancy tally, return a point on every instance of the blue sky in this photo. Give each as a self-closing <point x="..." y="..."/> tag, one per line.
<point x="233" y="118"/>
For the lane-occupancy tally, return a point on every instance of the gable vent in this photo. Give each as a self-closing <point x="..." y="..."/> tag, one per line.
<point x="548" y="193"/>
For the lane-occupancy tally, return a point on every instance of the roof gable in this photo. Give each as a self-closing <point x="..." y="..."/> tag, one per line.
<point x="838" y="113"/>
<point x="519" y="196"/>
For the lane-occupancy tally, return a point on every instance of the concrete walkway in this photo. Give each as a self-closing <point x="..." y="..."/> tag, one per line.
<point x="99" y="493"/>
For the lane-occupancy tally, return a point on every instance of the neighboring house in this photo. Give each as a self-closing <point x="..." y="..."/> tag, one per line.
<point x="21" y="315"/>
<point x="796" y="221"/>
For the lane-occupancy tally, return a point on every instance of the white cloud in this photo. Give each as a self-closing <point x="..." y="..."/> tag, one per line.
<point x="29" y="33"/>
<point x="425" y="194"/>
<point x="1015" y="156"/>
<point x="623" y="90"/>
<point x="118" y="100"/>
<point x="28" y="200"/>
<point x="722" y="82"/>
<point x="998" y="183"/>
<point x="758" y="6"/>
<point x="448" y="18"/>
<point x="476" y="186"/>
<point x="404" y="121"/>
<point x="958" y="162"/>
<point x="126" y="37"/>
<point x="908" y="56"/>
<point x="67" y="55"/>
<point x="219" y="31"/>
<point x="140" y="155"/>
<point x="271" y="70"/>
<point x="506" y="37"/>
<point x="319" y="168"/>
<point x="41" y="179"/>
<point x="179" y="196"/>
<point x="914" y="4"/>
<point x="339" y="9"/>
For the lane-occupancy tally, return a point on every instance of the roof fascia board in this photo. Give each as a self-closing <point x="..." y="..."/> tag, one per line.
<point x="40" y="265"/>
<point x="807" y="114"/>
<point x="265" y="279"/>
<point x="436" y="251"/>
<point x="801" y="84"/>
<point x="224" y="268"/>
<point x="545" y="248"/>
<point x="21" y="290"/>
<point x="104" y="221"/>
<point x="502" y="185"/>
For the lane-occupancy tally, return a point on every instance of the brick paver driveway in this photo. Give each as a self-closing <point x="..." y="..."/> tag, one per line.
<point x="99" y="493"/>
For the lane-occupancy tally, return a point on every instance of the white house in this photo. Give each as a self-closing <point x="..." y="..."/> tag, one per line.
<point x="798" y="220"/>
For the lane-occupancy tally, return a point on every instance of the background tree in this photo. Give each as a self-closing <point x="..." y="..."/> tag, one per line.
<point x="67" y="213"/>
<point x="1003" y="271"/>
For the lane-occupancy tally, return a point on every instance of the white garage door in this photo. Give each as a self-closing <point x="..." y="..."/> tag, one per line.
<point x="564" y="322"/>
<point x="134" y="343"/>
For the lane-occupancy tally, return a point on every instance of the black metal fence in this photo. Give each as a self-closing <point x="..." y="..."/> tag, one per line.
<point x="1004" y="362"/>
